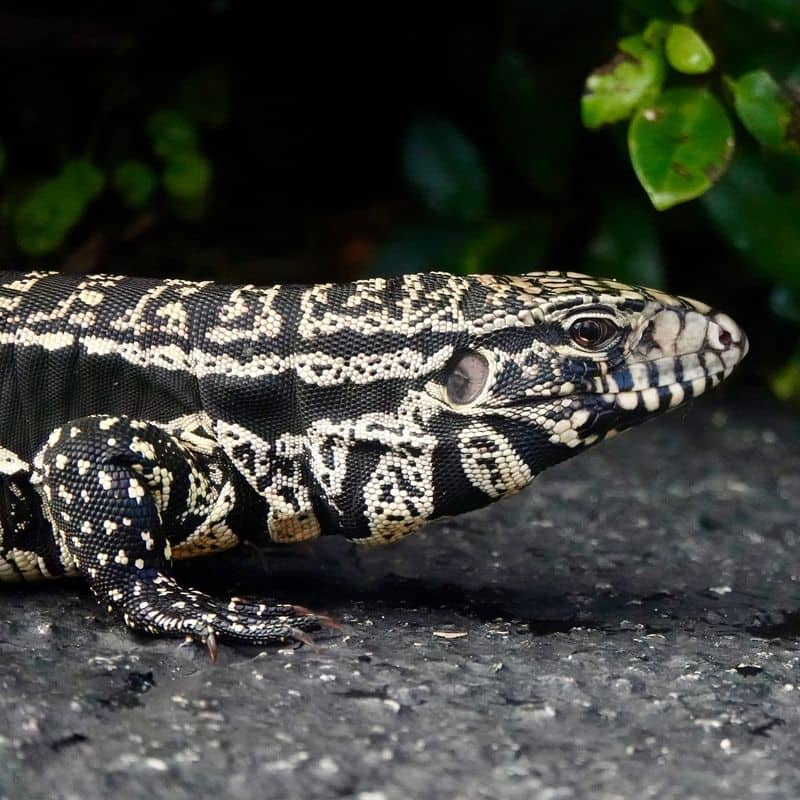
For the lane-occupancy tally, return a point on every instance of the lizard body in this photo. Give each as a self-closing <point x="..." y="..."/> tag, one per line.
<point x="147" y="420"/>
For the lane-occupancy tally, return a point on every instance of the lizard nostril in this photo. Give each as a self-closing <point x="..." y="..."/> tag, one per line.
<point x="725" y="334"/>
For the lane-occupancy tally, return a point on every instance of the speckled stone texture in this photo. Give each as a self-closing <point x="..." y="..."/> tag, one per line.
<point x="627" y="627"/>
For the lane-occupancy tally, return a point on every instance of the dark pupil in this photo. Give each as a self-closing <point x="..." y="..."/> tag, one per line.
<point x="590" y="332"/>
<point x="466" y="378"/>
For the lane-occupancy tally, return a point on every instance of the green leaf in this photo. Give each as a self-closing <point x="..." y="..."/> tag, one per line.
<point x="760" y="223"/>
<point x="83" y="178"/>
<point x="786" y="384"/>
<point x="656" y="32"/>
<point x="135" y="181"/>
<point x="626" y="246"/>
<point x="508" y="247"/>
<point x="42" y="220"/>
<point x="615" y="90"/>
<point x="687" y="51"/>
<point x="680" y="145"/>
<point x="171" y="132"/>
<point x="187" y="176"/>
<point x="445" y="169"/>
<point x="767" y="111"/>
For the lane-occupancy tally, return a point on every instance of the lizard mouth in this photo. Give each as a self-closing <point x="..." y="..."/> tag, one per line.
<point x="671" y="358"/>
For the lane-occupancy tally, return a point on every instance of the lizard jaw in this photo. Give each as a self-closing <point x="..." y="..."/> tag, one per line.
<point x="674" y="357"/>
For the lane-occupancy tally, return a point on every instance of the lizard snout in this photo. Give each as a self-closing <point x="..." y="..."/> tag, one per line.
<point x="713" y="337"/>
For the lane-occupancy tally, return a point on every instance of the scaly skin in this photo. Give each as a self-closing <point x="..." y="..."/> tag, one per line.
<point x="143" y="421"/>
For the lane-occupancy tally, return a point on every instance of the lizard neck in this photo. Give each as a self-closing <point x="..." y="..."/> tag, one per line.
<point x="249" y="388"/>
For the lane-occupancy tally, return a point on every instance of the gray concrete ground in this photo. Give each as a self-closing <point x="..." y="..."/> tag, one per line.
<point x="628" y="627"/>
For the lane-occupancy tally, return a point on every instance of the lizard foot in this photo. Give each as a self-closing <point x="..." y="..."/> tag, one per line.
<point x="113" y="487"/>
<point x="153" y="602"/>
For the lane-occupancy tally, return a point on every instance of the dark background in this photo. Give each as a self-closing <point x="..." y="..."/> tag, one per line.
<point x="312" y="107"/>
<point x="629" y="626"/>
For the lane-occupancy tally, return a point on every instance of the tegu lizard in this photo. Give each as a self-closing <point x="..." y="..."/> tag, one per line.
<point x="143" y="421"/>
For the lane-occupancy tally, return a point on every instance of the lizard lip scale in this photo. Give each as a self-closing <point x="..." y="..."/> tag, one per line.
<point x="283" y="413"/>
<point x="675" y="351"/>
<point x="681" y="355"/>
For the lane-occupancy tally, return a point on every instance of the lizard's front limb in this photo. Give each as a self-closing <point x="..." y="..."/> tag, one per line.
<point x="120" y="494"/>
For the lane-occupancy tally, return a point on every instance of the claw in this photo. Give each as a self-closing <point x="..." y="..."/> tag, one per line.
<point x="302" y="637"/>
<point x="322" y="619"/>
<point x="211" y="644"/>
<point x="327" y="622"/>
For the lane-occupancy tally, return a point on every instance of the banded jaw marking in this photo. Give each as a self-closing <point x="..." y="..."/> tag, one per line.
<point x="676" y="354"/>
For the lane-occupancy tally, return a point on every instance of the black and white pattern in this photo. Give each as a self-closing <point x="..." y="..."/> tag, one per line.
<point x="143" y="421"/>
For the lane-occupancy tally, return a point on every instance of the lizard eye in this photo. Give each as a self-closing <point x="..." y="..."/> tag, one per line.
<point x="592" y="333"/>
<point x="466" y="378"/>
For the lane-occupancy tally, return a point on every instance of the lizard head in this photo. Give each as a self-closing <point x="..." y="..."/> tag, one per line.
<point x="428" y="395"/>
<point x="505" y="376"/>
<point x="575" y="360"/>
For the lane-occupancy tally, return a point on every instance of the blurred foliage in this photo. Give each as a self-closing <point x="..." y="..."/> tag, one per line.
<point x="135" y="181"/>
<point x="786" y="382"/>
<point x="656" y="141"/>
<point x="48" y="208"/>
<point x="446" y="170"/>
<point x="53" y="206"/>
<point x="684" y="103"/>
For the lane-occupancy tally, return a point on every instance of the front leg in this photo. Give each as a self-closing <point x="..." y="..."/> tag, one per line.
<point x="121" y="494"/>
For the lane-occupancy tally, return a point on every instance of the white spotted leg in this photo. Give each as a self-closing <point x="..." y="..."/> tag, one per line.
<point x="117" y="492"/>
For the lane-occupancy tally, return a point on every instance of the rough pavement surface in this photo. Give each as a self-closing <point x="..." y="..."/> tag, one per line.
<point x="627" y="627"/>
